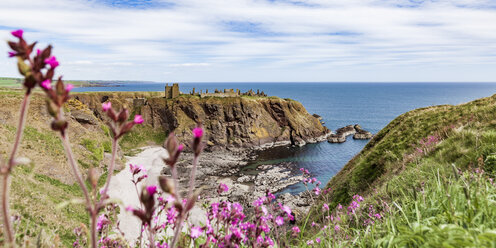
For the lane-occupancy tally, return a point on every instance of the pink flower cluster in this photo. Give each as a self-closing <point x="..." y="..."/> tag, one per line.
<point x="427" y="144"/>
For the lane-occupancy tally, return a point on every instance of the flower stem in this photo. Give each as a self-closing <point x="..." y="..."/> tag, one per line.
<point x="7" y="170"/>
<point x="190" y="194"/>
<point x="93" y="229"/>
<point x="70" y="158"/>
<point x="110" y="171"/>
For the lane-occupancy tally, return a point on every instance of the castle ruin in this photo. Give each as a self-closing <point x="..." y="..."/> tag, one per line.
<point x="173" y="92"/>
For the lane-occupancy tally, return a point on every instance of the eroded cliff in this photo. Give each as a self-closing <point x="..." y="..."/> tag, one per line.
<point x="234" y="122"/>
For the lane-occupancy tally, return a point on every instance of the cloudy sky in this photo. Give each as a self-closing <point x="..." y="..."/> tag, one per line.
<point x="261" y="40"/>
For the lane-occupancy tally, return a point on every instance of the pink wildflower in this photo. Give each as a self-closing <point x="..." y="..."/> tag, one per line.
<point x="295" y="230"/>
<point x="223" y="187"/>
<point x="325" y="207"/>
<point x="38" y="52"/>
<point x="69" y="87"/>
<point x="17" y="33"/>
<point x="317" y="240"/>
<point x="180" y="147"/>
<point x="196" y="231"/>
<point x="138" y="119"/>
<point x="279" y="220"/>
<point x="198" y="132"/>
<point x="310" y="242"/>
<point x="106" y="106"/>
<point x="52" y="61"/>
<point x="130" y="208"/>
<point x="46" y="84"/>
<point x="102" y="222"/>
<point x="316" y="190"/>
<point x="287" y="210"/>
<point x="12" y="54"/>
<point x="152" y="189"/>
<point x="336" y="228"/>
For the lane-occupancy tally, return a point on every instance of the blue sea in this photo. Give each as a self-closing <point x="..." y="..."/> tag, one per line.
<point x="372" y="105"/>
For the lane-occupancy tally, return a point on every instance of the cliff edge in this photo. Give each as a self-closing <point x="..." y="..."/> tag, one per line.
<point x="231" y="122"/>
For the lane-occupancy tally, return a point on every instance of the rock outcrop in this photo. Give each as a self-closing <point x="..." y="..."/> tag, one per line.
<point x="342" y="133"/>
<point x="234" y="122"/>
<point x="362" y="134"/>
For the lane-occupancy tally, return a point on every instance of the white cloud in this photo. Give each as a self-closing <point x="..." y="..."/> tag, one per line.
<point x="190" y="65"/>
<point x="260" y="40"/>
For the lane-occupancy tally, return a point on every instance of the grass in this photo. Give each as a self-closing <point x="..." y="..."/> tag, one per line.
<point x="38" y="210"/>
<point x="387" y="153"/>
<point x="429" y="204"/>
<point x="96" y="150"/>
<point x="140" y="136"/>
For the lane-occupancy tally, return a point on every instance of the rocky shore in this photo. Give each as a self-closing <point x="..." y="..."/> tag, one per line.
<point x="245" y="184"/>
<point x="342" y="133"/>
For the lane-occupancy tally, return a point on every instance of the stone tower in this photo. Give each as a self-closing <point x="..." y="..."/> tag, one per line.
<point x="171" y="91"/>
<point x="168" y="92"/>
<point x="175" y="90"/>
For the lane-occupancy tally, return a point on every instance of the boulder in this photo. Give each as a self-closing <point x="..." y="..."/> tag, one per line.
<point x="83" y="117"/>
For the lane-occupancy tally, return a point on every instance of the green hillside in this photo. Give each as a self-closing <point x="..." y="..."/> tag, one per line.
<point x="428" y="174"/>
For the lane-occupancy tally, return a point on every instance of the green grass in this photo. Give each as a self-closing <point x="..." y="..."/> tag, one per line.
<point x="430" y="205"/>
<point x="386" y="154"/>
<point x="37" y="209"/>
<point x="444" y="210"/>
<point x="10" y="82"/>
<point x="141" y="135"/>
<point x="96" y="150"/>
<point x="49" y="141"/>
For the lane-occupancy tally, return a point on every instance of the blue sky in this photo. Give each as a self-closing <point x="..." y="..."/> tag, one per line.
<point x="261" y="40"/>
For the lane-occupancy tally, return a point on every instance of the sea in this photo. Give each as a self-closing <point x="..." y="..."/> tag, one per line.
<point x="372" y="105"/>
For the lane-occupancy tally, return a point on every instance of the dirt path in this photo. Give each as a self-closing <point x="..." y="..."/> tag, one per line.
<point x="122" y="188"/>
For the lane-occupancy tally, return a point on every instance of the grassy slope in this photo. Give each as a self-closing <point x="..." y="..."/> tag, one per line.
<point x="429" y="205"/>
<point x="387" y="154"/>
<point x="48" y="171"/>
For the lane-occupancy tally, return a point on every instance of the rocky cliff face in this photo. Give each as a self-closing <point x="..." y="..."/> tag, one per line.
<point x="237" y="122"/>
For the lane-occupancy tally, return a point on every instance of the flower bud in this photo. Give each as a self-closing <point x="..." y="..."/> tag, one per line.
<point x="52" y="108"/>
<point x="167" y="185"/>
<point x="59" y="125"/>
<point x="123" y="115"/>
<point x="126" y="128"/>
<point x="24" y="69"/>
<point x="111" y="114"/>
<point x="171" y="144"/>
<point x="197" y="138"/>
<point x="145" y="196"/>
<point x="93" y="178"/>
<point x="191" y="202"/>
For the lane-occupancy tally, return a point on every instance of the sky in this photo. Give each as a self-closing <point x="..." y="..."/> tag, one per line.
<point x="260" y="40"/>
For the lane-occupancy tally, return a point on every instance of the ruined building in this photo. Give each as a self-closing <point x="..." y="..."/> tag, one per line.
<point x="171" y="91"/>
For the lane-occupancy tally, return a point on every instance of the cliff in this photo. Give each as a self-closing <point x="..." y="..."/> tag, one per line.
<point x="234" y="122"/>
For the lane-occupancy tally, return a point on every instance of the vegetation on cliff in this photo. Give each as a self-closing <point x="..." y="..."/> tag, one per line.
<point x="428" y="174"/>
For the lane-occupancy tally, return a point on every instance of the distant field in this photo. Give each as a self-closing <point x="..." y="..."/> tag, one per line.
<point x="17" y="82"/>
<point x="10" y="82"/>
